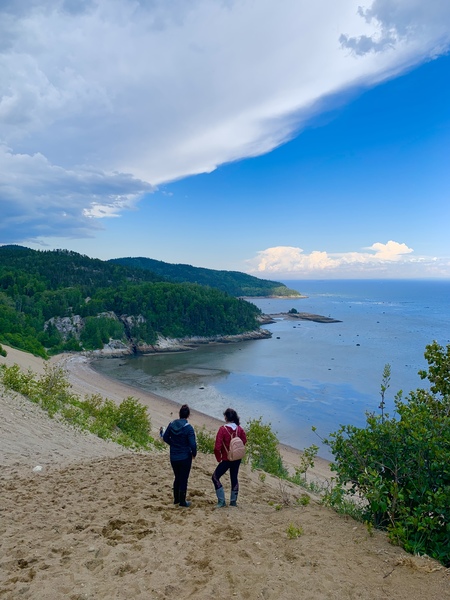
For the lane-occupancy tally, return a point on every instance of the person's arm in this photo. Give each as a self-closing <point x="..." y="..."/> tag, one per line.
<point x="192" y="441"/>
<point x="218" y="445"/>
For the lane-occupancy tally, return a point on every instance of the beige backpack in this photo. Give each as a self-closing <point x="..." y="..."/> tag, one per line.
<point x="237" y="447"/>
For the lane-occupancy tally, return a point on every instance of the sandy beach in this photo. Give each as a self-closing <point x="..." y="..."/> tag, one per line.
<point x="96" y="521"/>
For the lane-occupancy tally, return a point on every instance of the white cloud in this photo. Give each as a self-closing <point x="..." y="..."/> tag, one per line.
<point x="38" y="198"/>
<point x="382" y="260"/>
<point x="132" y="93"/>
<point x="390" y="251"/>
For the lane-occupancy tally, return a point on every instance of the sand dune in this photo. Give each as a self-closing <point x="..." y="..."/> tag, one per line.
<point x="97" y="522"/>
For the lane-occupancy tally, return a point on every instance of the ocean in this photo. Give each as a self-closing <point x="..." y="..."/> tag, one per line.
<point x="308" y="374"/>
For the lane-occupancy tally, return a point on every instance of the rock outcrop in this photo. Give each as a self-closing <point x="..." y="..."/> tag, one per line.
<point x="72" y="326"/>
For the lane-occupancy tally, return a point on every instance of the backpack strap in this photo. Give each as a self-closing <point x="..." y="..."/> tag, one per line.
<point x="231" y="437"/>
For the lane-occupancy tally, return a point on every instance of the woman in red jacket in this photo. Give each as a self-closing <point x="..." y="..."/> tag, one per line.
<point x="231" y="429"/>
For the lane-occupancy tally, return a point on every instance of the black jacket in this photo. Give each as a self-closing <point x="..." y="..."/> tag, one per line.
<point x="180" y="436"/>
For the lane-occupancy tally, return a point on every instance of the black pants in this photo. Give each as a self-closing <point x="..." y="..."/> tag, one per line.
<point x="181" y="470"/>
<point x="222" y="468"/>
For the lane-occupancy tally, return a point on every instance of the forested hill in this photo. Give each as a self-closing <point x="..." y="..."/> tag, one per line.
<point x="64" y="268"/>
<point x="232" y="282"/>
<point x="53" y="301"/>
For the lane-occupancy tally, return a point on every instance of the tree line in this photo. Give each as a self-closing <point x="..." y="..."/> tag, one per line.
<point x="39" y="288"/>
<point x="232" y="282"/>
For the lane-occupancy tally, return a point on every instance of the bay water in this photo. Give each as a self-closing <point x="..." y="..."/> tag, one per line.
<point x="308" y="373"/>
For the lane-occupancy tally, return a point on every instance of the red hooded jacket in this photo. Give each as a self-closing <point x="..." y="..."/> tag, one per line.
<point x="223" y="437"/>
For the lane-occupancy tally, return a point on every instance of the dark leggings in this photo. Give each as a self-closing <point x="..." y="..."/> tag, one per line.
<point x="181" y="470"/>
<point x="222" y="468"/>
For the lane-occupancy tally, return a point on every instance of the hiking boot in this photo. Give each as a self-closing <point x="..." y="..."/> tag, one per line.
<point x="183" y="501"/>
<point x="220" y="493"/>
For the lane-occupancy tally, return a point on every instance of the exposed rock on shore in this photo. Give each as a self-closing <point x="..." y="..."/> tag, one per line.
<point x="303" y="316"/>
<point x="299" y="316"/>
<point x="163" y="344"/>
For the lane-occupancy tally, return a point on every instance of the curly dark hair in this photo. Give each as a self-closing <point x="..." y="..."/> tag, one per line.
<point x="231" y="416"/>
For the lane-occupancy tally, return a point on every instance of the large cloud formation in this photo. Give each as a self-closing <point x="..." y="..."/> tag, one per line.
<point x="102" y="99"/>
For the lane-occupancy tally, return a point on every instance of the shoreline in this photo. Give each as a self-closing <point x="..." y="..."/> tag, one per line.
<point x="86" y="381"/>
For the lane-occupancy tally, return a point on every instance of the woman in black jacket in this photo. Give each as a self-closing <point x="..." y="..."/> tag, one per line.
<point x="180" y="436"/>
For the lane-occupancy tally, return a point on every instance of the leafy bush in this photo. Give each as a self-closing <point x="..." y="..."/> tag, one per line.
<point x="3" y="351"/>
<point x="205" y="441"/>
<point x="127" y="423"/>
<point x="18" y="381"/>
<point x="400" y="466"/>
<point x="262" y="448"/>
<point x="132" y="419"/>
<point x="52" y="389"/>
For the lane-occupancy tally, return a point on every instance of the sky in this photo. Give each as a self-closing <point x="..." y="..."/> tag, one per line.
<point x="286" y="139"/>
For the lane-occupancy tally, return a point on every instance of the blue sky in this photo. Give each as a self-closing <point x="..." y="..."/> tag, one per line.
<point x="285" y="140"/>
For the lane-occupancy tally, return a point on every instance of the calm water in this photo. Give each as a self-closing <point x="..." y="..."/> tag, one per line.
<point x="308" y="373"/>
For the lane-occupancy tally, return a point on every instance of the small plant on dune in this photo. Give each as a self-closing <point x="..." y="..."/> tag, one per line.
<point x="304" y="500"/>
<point x="205" y="441"/>
<point x="284" y="492"/>
<point x="306" y="461"/>
<point x="262" y="477"/>
<point x="369" y="527"/>
<point x="3" y="351"/>
<point x="294" y="532"/>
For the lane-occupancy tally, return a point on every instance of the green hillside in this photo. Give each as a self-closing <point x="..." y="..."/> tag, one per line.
<point x="232" y="282"/>
<point x="51" y="301"/>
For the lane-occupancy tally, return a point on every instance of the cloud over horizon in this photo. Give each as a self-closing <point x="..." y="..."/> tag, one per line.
<point x="102" y="100"/>
<point x="380" y="260"/>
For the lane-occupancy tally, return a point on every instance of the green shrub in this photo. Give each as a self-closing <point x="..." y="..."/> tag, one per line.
<point x="52" y="390"/>
<point x="262" y="448"/>
<point x="3" y="351"/>
<point x="344" y="504"/>
<point x="18" y="381"/>
<point x="132" y="419"/>
<point x="304" y="500"/>
<point x="306" y="462"/>
<point x="205" y="441"/>
<point x="127" y="423"/>
<point x="76" y="417"/>
<point x="400" y="466"/>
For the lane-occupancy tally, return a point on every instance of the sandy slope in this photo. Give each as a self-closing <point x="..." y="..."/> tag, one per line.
<point x="97" y="523"/>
